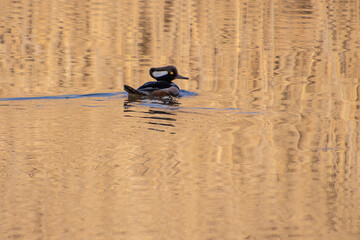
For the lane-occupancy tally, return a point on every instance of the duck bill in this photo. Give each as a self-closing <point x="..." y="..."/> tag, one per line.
<point x="181" y="77"/>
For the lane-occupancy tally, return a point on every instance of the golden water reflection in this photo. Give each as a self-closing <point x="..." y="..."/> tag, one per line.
<point x="268" y="149"/>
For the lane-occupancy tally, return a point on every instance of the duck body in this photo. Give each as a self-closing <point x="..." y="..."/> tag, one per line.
<point x="162" y="87"/>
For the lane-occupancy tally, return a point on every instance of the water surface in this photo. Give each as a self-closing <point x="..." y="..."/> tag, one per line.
<point x="264" y="144"/>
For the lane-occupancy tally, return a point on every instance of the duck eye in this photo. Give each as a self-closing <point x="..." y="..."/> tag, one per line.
<point x="171" y="73"/>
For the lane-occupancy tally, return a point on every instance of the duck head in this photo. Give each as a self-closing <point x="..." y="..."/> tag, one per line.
<point x="168" y="73"/>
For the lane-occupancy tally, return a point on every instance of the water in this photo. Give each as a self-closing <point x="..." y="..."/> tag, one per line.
<point x="264" y="143"/>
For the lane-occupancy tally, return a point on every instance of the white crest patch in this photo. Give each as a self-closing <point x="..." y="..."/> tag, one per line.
<point x="159" y="73"/>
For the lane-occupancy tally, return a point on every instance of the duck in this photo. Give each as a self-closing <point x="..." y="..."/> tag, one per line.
<point x="162" y="87"/>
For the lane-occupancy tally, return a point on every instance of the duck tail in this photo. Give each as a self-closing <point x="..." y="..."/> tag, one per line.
<point x="133" y="91"/>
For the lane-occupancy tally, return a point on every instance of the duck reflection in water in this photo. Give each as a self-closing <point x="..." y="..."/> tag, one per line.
<point x="159" y="120"/>
<point x="162" y="88"/>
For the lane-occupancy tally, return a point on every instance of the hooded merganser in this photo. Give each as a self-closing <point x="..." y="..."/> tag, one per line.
<point x="162" y="87"/>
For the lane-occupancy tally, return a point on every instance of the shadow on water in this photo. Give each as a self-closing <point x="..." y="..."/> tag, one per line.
<point x="183" y="93"/>
<point x="169" y="104"/>
<point x="70" y="96"/>
<point x="160" y="114"/>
